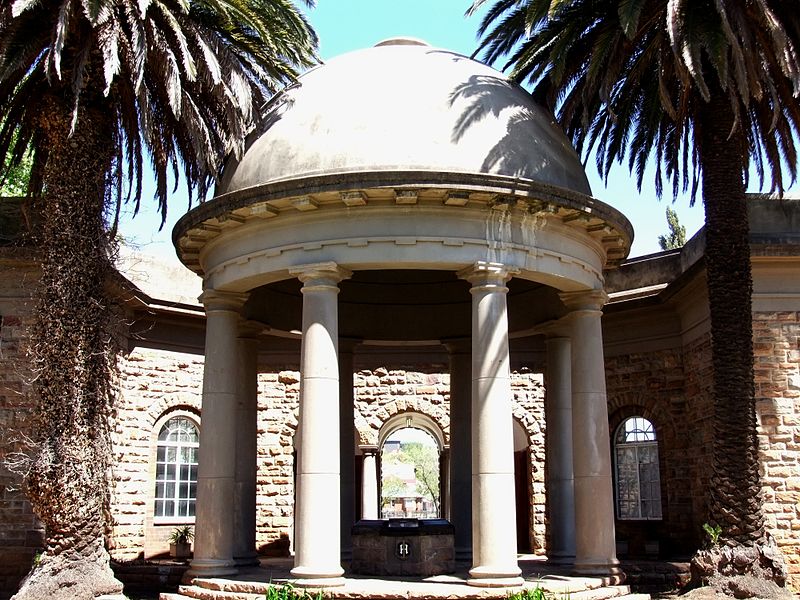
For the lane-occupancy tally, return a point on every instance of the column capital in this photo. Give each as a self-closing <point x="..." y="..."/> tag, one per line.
<point x="324" y="273"/>
<point x="487" y="273"/>
<point x="216" y="300"/>
<point x="249" y="329"/>
<point x="592" y="300"/>
<point x="368" y="449"/>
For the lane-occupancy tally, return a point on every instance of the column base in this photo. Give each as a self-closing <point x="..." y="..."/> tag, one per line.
<point x="209" y="567"/>
<point x="464" y="554"/>
<point x="561" y="559"/>
<point x="309" y="577"/>
<point x="495" y="577"/>
<point x="610" y="571"/>
<point x="249" y="559"/>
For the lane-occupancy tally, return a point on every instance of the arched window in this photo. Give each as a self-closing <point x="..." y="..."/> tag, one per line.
<point x="176" y="469"/>
<point x="638" y="481"/>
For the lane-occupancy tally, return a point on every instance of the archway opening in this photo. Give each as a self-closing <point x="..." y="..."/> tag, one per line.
<point x="410" y="475"/>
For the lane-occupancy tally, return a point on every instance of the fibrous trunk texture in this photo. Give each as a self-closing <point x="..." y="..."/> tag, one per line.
<point x="73" y="360"/>
<point x="735" y="501"/>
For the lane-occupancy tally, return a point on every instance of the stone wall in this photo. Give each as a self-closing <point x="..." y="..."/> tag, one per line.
<point x="698" y="423"/>
<point x="777" y="387"/>
<point x="153" y="386"/>
<point x="21" y="534"/>
<point x="651" y="385"/>
<point x="278" y="397"/>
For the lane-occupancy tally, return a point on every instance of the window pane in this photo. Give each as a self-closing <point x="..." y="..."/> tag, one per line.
<point x="638" y="487"/>
<point x="176" y="468"/>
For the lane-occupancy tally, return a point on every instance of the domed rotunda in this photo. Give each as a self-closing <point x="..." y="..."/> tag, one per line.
<point x="408" y="197"/>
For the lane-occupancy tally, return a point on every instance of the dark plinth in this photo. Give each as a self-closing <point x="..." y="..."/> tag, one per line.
<point x="421" y="547"/>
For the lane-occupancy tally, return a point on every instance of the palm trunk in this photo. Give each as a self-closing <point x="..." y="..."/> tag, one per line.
<point x="73" y="358"/>
<point x="735" y="500"/>
<point x="735" y="497"/>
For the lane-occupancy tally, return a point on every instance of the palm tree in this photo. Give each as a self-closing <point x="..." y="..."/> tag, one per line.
<point x="95" y="88"/>
<point x="707" y="88"/>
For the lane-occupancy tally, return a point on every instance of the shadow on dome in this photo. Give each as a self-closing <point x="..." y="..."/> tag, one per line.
<point x="526" y="149"/>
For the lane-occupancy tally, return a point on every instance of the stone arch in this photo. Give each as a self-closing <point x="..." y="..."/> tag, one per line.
<point x="438" y="413"/>
<point x="188" y="402"/>
<point x="413" y="419"/>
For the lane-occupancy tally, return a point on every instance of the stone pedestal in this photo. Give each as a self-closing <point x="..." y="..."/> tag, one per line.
<point x="409" y="547"/>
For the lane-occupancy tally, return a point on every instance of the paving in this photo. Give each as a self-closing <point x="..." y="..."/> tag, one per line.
<point x="253" y="583"/>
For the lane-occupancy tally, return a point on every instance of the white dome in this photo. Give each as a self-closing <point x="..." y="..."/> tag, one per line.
<point x="405" y="106"/>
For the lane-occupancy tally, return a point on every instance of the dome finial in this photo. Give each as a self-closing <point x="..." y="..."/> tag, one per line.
<point x="402" y="41"/>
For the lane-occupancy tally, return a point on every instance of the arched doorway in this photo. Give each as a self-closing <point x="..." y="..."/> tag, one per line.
<point x="522" y="487"/>
<point x="411" y="467"/>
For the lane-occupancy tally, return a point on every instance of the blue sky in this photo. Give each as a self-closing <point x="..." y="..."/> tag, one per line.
<point x="346" y="25"/>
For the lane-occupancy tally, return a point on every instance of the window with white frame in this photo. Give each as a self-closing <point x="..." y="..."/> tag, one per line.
<point x="638" y="483"/>
<point x="176" y="469"/>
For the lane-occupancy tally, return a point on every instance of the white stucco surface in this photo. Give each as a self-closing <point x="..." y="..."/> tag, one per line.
<point x="401" y="106"/>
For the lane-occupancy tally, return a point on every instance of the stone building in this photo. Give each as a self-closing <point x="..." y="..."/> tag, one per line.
<point x="422" y="246"/>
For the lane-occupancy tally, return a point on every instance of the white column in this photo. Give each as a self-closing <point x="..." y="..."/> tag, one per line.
<point x="595" y="549"/>
<point x="494" y="530"/>
<point x="558" y="415"/>
<point x="244" y="516"/>
<point x="316" y="539"/>
<point x="369" y="483"/>
<point x="444" y="483"/>
<point x="214" y="521"/>
<point x="461" y="447"/>
<point x="347" y="445"/>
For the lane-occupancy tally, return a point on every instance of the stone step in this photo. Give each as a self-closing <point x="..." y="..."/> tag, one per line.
<point x="215" y="590"/>
<point x="600" y="593"/>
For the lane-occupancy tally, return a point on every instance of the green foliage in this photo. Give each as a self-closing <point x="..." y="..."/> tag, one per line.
<point x="16" y="171"/>
<point x="182" y="82"/>
<point x="677" y="233"/>
<point x="714" y="532"/>
<point x="391" y="487"/>
<point x="426" y="468"/>
<point x="537" y="593"/>
<point x="289" y="592"/>
<point x="425" y="459"/>
<point x="181" y="535"/>
<point x="631" y="79"/>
